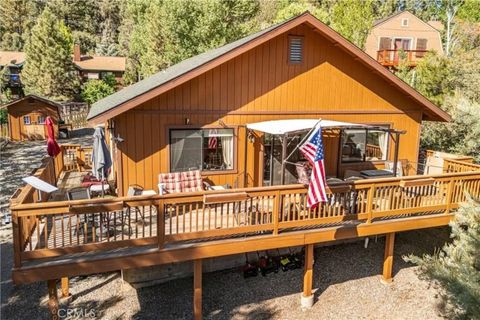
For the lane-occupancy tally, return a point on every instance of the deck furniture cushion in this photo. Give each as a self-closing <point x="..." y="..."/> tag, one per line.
<point x="192" y="181"/>
<point x="170" y="182"/>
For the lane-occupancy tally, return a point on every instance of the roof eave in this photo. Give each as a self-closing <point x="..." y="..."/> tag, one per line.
<point x="306" y="17"/>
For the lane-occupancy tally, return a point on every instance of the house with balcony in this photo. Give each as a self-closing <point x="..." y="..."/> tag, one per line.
<point x="11" y="63"/>
<point x="206" y="164"/>
<point x="403" y="36"/>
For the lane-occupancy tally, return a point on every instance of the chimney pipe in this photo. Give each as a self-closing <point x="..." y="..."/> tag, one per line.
<point x="76" y="52"/>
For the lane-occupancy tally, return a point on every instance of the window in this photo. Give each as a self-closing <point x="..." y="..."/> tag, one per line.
<point x="385" y="43"/>
<point x="41" y="119"/>
<point x="201" y="149"/>
<point x="364" y="145"/>
<point x="405" y="22"/>
<point x="295" y="49"/>
<point x="26" y="120"/>
<point x="421" y="47"/>
<point x="93" y="75"/>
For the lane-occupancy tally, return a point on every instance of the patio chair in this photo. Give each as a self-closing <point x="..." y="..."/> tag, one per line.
<point x="176" y="182"/>
<point x="134" y="190"/>
<point x="80" y="193"/>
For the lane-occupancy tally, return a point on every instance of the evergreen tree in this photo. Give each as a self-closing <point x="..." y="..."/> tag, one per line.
<point x="111" y="20"/>
<point x="49" y="69"/>
<point x="457" y="266"/>
<point x="17" y="17"/>
<point x="83" y="19"/>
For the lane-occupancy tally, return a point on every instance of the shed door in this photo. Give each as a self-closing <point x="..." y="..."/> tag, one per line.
<point x="35" y="131"/>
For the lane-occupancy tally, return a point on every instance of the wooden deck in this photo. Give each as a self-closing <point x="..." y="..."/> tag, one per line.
<point x="61" y="239"/>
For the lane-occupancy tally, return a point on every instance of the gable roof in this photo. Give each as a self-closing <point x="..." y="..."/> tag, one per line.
<point x="132" y="96"/>
<point x="101" y="63"/>
<point x="35" y="97"/>
<point x="380" y="21"/>
<point x="11" y="57"/>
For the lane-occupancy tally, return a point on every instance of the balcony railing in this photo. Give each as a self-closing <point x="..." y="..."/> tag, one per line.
<point x="392" y="58"/>
<point x="48" y="229"/>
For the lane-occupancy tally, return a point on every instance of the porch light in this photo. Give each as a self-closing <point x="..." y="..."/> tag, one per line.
<point x="251" y="136"/>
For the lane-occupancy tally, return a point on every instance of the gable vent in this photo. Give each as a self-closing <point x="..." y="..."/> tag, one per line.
<point x="295" y="49"/>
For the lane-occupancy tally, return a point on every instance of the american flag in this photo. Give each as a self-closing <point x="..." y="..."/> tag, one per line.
<point x="212" y="139"/>
<point x="313" y="150"/>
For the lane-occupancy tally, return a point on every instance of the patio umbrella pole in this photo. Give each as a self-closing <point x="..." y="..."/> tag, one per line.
<point x="303" y="140"/>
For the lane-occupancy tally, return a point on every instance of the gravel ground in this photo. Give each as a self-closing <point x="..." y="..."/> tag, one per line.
<point x="18" y="159"/>
<point x="346" y="282"/>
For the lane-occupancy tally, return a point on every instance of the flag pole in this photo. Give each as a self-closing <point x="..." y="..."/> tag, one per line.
<point x="302" y="141"/>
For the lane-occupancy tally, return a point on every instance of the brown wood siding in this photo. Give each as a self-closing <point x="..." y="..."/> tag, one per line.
<point x="260" y="85"/>
<point x="34" y="109"/>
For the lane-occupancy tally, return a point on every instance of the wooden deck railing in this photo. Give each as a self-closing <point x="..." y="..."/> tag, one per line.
<point x="374" y="151"/>
<point x="76" y="158"/>
<point x="450" y="165"/>
<point x="49" y="171"/>
<point x="393" y="57"/>
<point x="99" y="224"/>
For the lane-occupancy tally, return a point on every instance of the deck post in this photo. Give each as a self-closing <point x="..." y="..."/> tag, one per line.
<point x="53" y="298"/>
<point x="161" y="224"/>
<point x="307" y="296"/>
<point x="197" y="289"/>
<point x="395" y="156"/>
<point x="65" y="288"/>
<point x="388" y="258"/>
<point x="17" y="242"/>
<point x="284" y="155"/>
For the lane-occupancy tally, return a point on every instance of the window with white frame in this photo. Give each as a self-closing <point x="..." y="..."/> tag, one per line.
<point x="41" y="119"/>
<point x="201" y="149"/>
<point x="405" y="22"/>
<point x="26" y="120"/>
<point x="364" y="145"/>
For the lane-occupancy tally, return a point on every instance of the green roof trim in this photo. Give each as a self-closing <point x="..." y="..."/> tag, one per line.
<point x="171" y="73"/>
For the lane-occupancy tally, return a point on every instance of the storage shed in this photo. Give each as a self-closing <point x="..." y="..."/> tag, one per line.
<point x="26" y="117"/>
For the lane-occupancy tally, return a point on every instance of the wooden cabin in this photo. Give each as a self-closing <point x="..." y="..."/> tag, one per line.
<point x="299" y="69"/>
<point x="26" y="117"/>
<point x="209" y="113"/>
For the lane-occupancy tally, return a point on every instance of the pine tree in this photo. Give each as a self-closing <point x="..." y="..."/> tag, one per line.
<point x="49" y="69"/>
<point x="17" y="17"/>
<point x="82" y="18"/>
<point x="457" y="266"/>
<point x="111" y="20"/>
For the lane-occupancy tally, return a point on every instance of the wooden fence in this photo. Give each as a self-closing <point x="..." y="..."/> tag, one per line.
<point x="99" y="224"/>
<point x="4" y="133"/>
<point x="77" y="120"/>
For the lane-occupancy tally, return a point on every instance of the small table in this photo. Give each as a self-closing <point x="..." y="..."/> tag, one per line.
<point x="374" y="174"/>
